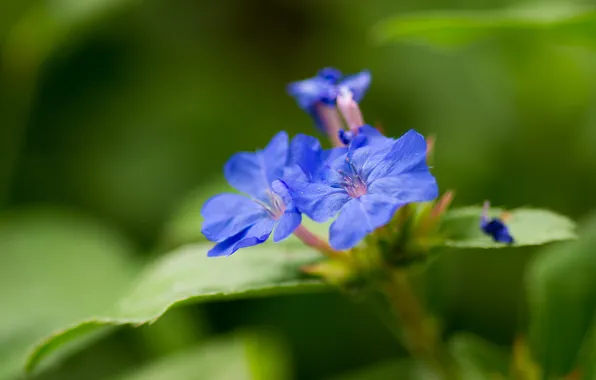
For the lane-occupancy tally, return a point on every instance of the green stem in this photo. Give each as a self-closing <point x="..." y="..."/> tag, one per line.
<point x="419" y="333"/>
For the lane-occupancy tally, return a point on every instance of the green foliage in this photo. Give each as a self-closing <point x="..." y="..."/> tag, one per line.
<point x="561" y="288"/>
<point x="57" y="268"/>
<point x="559" y="22"/>
<point x="188" y="275"/>
<point x="461" y="228"/>
<point x="477" y="358"/>
<point x="245" y="356"/>
<point x="405" y="368"/>
<point x="121" y="117"/>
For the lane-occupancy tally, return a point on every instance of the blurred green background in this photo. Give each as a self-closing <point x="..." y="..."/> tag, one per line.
<point x="116" y="117"/>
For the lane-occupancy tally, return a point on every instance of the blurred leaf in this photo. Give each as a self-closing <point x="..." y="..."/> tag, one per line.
<point x="405" y="369"/>
<point x="561" y="288"/>
<point x="587" y="368"/>
<point x="238" y="357"/>
<point x="478" y="358"/>
<point x="461" y="228"/>
<point x="53" y="271"/>
<point x="456" y="28"/>
<point x="45" y="26"/>
<point x="188" y="275"/>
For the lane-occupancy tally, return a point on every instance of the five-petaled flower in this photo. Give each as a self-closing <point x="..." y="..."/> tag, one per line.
<point x="234" y="221"/>
<point x="495" y="227"/>
<point x="364" y="185"/>
<point x="323" y="89"/>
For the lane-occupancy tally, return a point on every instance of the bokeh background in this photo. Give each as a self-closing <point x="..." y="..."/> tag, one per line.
<point x="116" y="117"/>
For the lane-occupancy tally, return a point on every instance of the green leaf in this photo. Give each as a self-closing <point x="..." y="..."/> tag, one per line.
<point x="188" y="275"/>
<point x="461" y="228"/>
<point x="239" y="357"/>
<point x="54" y="265"/>
<point x="564" y="22"/>
<point x="561" y="288"/>
<point x="478" y="358"/>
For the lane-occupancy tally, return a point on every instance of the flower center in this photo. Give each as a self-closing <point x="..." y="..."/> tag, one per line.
<point x="275" y="207"/>
<point x="353" y="182"/>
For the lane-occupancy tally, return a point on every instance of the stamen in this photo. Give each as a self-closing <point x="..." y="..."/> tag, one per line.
<point x="353" y="184"/>
<point x="276" y="208"/>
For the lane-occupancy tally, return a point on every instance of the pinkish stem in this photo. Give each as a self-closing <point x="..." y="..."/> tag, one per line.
<point x="332" y="123"/>
<point x="313" y="240"/>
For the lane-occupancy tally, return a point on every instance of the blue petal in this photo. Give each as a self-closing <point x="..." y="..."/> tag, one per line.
<point x="228" y="214"/>
<point x="359" y="217"/>
<point x="330" y="74"/>
<point x="253" y="235"/>
<point x="226" y="247"/>
<point x="287" y="224"/>
<point x="252" y="173"/>
<point x="367" y="150"/>
<point x="407" y="187"/>
<point x="361" y="156"/>
<point x="310" y="91"/>
<point x="275" y="156"/>
<point x="307" y="92"/>
<point x="358" y="84"/>
<point x="280" y="188"/>
<point x="408" y="153"/>
<point x="330" y="155"/>
<point x="306" y="152"/>
<point x="318" y="200"/>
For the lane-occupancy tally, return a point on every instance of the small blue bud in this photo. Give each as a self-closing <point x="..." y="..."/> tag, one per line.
<point x="345" y="136"/>
<point x="495" y="227"/>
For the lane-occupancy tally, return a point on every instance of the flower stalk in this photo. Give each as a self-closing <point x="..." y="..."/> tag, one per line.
<point x="420" y="335"/>
<point x="312" y="240"/>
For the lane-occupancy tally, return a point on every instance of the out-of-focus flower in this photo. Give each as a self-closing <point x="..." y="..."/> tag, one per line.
<point x="315" y="94"/>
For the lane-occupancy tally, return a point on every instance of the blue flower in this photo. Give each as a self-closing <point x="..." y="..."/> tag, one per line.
<point x="364" y="185"/>
<point x="323" y="89"/>
<point x="235" y="221"/>
<point x="495" y="227"/>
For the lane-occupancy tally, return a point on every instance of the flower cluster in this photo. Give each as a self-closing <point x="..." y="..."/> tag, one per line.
<point x="360" y="183"/>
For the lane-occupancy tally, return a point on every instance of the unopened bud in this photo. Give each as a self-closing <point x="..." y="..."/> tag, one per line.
<point x="349" y="109"/>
